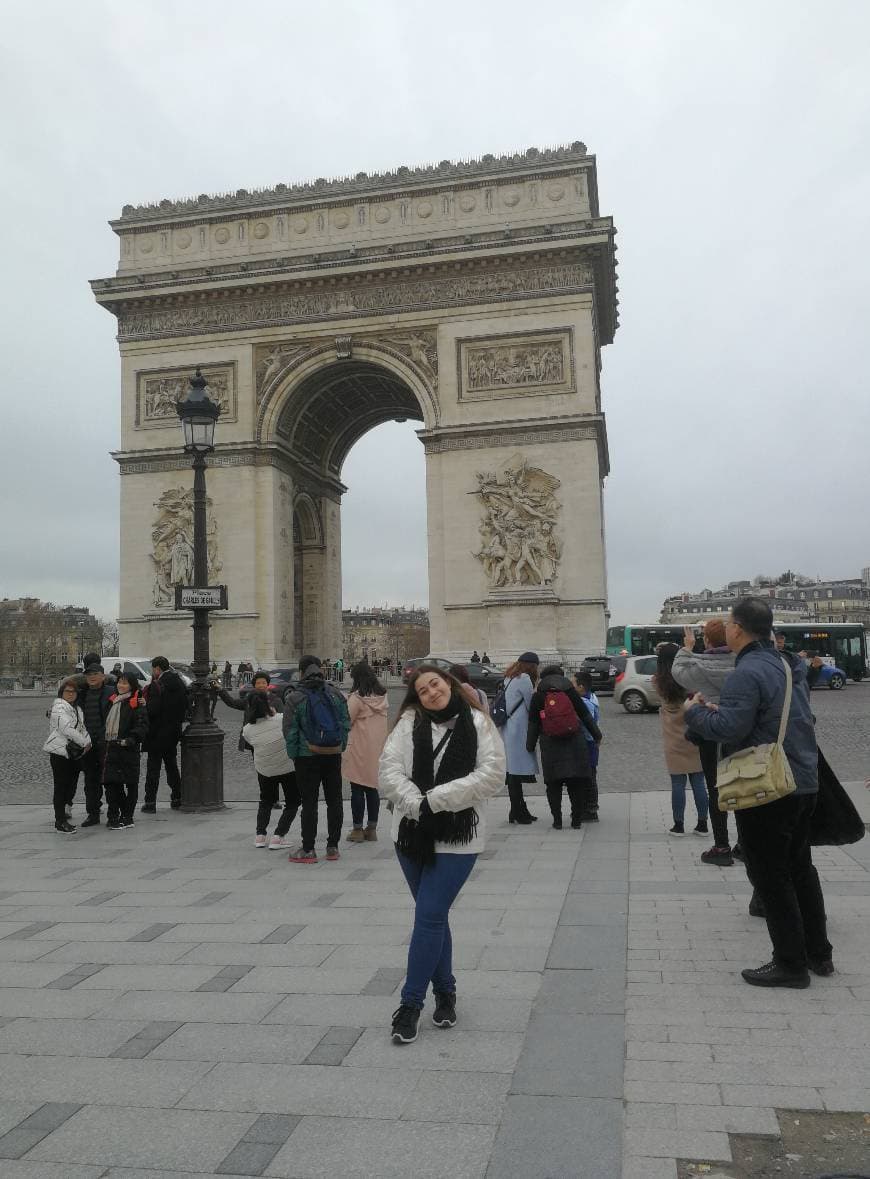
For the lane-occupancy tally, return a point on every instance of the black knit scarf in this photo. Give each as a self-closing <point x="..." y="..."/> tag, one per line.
<point x="417" y="840"/>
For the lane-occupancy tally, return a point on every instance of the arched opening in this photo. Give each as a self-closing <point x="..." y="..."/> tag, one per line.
<point x="318" y="421"/>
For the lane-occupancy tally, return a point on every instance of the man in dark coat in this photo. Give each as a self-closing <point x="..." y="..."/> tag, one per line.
<point x="564" y="760"/>
<point x="95" y="702"/>
<point x="166" y="698"/>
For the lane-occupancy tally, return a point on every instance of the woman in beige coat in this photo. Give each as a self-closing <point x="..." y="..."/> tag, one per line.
<point x="682" y="758"/>
<point x="367" y="705"/>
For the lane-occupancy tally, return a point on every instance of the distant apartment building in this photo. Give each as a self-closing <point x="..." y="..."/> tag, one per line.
<point x="39" y="639"/>
<point x="381" y="633"/>
<point x="793" y="598"/>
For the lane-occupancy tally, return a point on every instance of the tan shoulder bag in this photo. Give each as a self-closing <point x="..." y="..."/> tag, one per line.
<point x="761" y="773"/>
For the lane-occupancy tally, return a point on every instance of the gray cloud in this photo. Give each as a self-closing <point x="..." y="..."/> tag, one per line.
<point x="731" y="151"/>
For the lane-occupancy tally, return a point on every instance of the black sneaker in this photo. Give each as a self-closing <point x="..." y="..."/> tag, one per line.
<point x="148" y="808"/>
<point x="91" y="821"/>
<point x="128" y="821"/>
<point x="444" y="1015"/>
<point x="701" y="827"/>
<point x="677" y="829"/>
<point x="557" y="824"/>
<point x="114" y="825"/>
<point x="590" y="817"/>
<point x="720" y="856"/>
<point x="772" y="975"/>
<point x="405" y="1019"/>
<point x="821" y="966"/>
<point x="737" y="853"/>
<point x="576" y="824"/>
<point x="67" y="828"/>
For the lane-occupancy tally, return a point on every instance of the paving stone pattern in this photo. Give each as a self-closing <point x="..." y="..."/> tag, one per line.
<point x="192" y="1005"/>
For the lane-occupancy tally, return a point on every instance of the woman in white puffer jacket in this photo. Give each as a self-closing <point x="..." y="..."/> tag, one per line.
<point x="66" y="733"/>
<point x="442" y="761"/>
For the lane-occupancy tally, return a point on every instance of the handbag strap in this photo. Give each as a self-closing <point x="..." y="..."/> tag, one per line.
<point x="786" y="706"/>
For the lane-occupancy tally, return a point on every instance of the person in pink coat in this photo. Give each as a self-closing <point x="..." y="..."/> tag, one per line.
<point x="368" y="708"/>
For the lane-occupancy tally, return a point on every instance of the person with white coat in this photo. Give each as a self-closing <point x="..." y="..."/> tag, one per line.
<point x="440" y="764"/>
<point x="273" y="767"/>
<point x="66" y="735"/>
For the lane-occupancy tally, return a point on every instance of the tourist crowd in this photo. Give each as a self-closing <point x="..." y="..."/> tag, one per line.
<point x="450" y="749"/>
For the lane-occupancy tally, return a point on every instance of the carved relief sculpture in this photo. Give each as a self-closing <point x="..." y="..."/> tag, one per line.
<point x="172" y="540"/>
<point x="519" y="546"/>
<point x="535" y="364"/>
<point x="159" y="394"/>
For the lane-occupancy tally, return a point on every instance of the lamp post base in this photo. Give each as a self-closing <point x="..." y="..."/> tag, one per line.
<point x="202" y="768"/>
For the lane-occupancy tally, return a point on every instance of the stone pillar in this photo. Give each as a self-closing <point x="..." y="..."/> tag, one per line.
<point x="273" y="557"/>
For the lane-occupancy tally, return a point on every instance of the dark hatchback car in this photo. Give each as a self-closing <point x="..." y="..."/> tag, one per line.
<point x="481" y="675"/>
<point x="279" y="680"/>
<point x="604" y="669"/>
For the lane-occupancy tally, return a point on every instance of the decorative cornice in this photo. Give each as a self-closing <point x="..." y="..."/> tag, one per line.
<point x="362" y="183"/>
<point x="298" y="303"/>
<point x="528" y="432"/>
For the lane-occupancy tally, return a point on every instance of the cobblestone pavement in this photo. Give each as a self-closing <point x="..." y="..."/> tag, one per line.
<point x="631" y="757"/>
<point x="175" y="1002"/>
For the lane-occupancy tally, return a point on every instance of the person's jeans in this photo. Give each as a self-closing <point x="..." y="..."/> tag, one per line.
<point x="362" y="799"/>
<point x="434" y="887"/>
<point x="92" y="767"/>
<point x="65" y="773"/>
<point x="578" y="793"/>
<point x="678" y="795"/>
<point x="311" y="772"/>
<point x="268" y="798"/>
<point x="709" y="751"/>
<point x="775" y="839"/>
<point x="166" y="756"/>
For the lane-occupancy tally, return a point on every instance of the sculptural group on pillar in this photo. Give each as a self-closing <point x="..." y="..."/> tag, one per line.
<point x="172" y="540"/>
<point x="519" y="545"/>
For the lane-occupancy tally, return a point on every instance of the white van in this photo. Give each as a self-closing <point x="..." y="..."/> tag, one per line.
<point x="141" y="667"/>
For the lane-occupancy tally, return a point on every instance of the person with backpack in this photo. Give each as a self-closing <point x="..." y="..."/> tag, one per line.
<point x="368" y="707"/>
<point x="556" y="715"/>
<point x="583" y="680"/>
<point x="510" y="715"/>
<point x="316" y="725"/>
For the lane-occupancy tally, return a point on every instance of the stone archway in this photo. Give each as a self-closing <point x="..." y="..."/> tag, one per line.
<point x="474" y="298"/>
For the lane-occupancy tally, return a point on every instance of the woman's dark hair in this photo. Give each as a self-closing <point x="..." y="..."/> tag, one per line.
<point x="71" y="681"/>
<point x="257" y="708"/>
<point x="460" y="672"/>
<point x="665" y="684"/>
<point x="412" y="700"/>
<point x="754" y="615"/>
<point x="521" y="668"/>
<point x="553" y="669"/>
<point x="131" y="678"/>
<point x="260" y="675"/>
<point x="364" y="681"/>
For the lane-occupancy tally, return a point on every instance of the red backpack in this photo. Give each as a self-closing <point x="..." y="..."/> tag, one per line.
<point x="558" y="716"/>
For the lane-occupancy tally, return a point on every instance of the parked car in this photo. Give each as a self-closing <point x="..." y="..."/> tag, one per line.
<point x="279" y="681"/>
<point x="481" y="675"/>
<point x="634" y="688"/>
<point x="604" y="669"/>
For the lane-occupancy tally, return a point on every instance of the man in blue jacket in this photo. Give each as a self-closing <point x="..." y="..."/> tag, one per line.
<point x="775" y="837"/>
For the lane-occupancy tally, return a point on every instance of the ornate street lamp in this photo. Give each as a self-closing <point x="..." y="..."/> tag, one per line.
<point x="202" y="764"/>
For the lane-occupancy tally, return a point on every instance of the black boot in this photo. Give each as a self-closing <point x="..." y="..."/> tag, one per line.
<point x="519" y="812"/>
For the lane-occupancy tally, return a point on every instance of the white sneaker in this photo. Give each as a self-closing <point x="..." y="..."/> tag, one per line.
<point x="261" y="841"/>
<point x="278" y="841"/>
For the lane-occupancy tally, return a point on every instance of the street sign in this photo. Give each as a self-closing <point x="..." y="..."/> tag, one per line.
<point x="206" y="597"/>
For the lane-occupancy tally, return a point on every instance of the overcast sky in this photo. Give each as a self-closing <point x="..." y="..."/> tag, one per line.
<point x="732" y="147"/>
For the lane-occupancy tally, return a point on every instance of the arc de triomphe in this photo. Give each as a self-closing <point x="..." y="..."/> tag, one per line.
<point x="473" y="297"/>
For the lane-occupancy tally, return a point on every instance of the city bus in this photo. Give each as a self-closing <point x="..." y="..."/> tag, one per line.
<point x="843" y="642"/>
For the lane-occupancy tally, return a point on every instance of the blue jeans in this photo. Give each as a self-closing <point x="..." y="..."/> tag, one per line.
<point x="430" y="955"/>
<point x="364" y="798"/>
<point x="678" y="795"/>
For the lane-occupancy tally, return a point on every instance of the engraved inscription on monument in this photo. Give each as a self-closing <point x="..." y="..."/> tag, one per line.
<point x="519" y="546"/>
<point x="158" y="394"/>
<point x="515" y="366"/>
